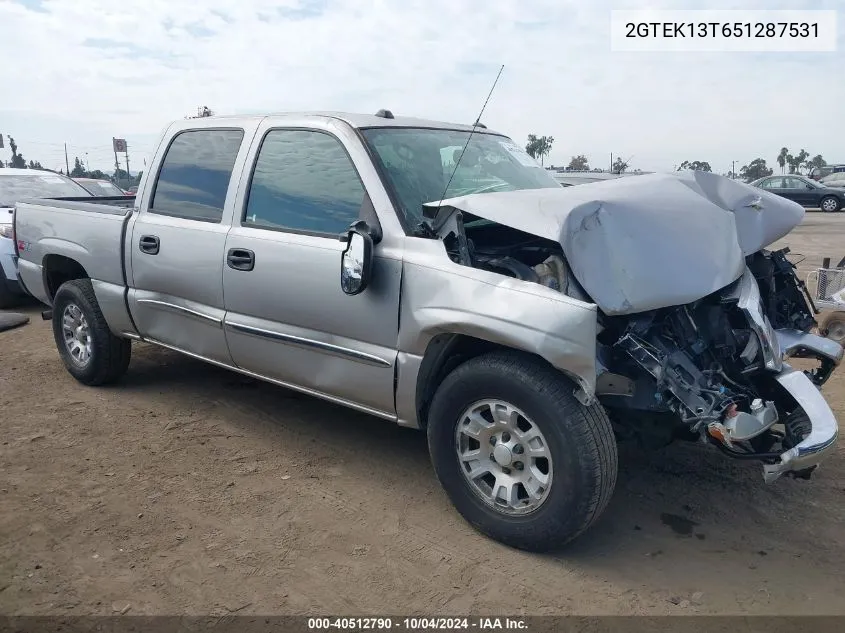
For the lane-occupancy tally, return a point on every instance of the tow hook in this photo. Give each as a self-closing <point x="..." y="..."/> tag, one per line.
<point x="47" y="315"/>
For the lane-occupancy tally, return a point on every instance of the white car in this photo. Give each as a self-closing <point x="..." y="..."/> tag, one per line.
<point x="19" y="184"/>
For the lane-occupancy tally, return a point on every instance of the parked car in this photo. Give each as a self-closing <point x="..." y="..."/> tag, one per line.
<point x="98" y="187"/>
<point x="804" y="191"/>
<point x="518" y="323"/>
<point x="17" y="184"/>
<point x="834" y="180"/>
<point x="817" y="173"/>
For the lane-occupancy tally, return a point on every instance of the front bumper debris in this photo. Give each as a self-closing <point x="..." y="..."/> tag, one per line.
<point x="821" y="440"/>
<point x="798" y="344"/>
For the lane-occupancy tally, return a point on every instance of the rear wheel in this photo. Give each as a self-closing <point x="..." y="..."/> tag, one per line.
<point x="90" y="352"/>
<point x="829" y="204"/>
<point x="520" y="458"/>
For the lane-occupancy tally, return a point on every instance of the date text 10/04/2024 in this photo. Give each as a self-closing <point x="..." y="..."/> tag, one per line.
<point x="417" y="623"/>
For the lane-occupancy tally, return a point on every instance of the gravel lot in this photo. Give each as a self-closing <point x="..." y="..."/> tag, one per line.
<point x="188" y="489"/>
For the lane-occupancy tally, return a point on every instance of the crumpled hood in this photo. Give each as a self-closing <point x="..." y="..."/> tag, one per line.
<point x="645" y="242"/>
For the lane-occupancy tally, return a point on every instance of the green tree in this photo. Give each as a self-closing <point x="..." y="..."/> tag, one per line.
<point x="781" y="159"/>
<point x="579" y="163"/>
<point x="696" y="165"/>
<point x="538" y="147"/>
<point x="17" y="161"/>
<point x="757" y="168"/>
<point x="78" y="170"/>
<point x="795" y="162"/>
<point x="619" y="166"/>
<point x="816" y="161"/>
<point x="138" y="177"/>
<point x="35" y="165"/>
<point x="97" y="174"/>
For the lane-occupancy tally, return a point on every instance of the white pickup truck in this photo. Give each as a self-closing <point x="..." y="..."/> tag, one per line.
<point x="434" y="275"/>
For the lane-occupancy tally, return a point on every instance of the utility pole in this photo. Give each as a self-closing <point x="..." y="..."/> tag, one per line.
<point x="611" y="162"/>
<point x="87" y="163"/>
<point x="67" y="164"/>
<point x="116" y="164"/>
<point x="733" y="169"/>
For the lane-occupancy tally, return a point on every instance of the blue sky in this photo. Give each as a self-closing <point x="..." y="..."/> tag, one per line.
<point x="86" y="70"/>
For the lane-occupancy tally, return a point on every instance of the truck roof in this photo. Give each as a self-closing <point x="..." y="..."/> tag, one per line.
<point x="357" y="121"/>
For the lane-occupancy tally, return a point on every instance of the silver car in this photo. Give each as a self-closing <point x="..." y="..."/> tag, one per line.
<point x="436" y="276"/>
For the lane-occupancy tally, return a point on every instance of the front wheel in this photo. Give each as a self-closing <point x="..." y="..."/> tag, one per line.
<point x="520" y="458"/>
<point x="90" y="352"/>
<point x="829" y="204"/>
<point x="833" y="327"/>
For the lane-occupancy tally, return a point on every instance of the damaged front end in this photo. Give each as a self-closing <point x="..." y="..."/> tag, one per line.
<point x="710" y="370"/>
<point x="716" y="368"/>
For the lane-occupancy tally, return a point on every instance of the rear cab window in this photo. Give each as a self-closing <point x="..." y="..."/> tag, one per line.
<point x="194" y="176"/>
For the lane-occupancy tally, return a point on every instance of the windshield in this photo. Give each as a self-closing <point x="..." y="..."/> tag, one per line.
<point x="43" y="185"/>
<point x="418" y="163"/>
<point x="101" y="188"/>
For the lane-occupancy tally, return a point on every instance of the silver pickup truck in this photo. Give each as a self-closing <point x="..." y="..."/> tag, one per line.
<point x="434" y="275"/>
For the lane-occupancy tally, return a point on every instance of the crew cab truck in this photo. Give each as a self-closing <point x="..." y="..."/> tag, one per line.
<point x="429" y="274"/>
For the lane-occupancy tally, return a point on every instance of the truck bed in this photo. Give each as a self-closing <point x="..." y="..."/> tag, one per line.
<point x="88" y="231"/>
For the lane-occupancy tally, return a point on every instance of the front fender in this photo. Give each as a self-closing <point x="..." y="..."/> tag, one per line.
<point x="447" y="298"/>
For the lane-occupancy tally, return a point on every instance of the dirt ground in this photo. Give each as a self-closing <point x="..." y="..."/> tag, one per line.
<point x="187" y="489"/>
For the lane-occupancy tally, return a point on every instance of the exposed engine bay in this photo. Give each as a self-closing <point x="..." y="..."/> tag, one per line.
<point x="701" y="371"/>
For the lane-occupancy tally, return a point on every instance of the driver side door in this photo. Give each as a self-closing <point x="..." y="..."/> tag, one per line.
<point x="287" y="317"/>
<point x="801" y="192"/>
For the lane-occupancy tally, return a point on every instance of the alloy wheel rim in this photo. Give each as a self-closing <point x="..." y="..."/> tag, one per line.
<point x="77" y="334"/>
<point x="504" y="457"/>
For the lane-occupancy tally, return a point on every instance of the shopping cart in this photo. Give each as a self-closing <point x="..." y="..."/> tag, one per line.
<point x="829" y="286"/>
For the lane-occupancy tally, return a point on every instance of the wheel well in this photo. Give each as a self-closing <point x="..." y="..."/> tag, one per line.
<point x="58" y="269"/>
<point x="443" y="354"/>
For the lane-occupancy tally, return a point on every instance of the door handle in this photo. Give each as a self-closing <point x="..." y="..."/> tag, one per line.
<point x="149" y="244"/>
<point x="240" y="259"/>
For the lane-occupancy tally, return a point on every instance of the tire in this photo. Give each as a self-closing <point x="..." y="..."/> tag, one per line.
<point x="830" y="204"/>
<point x="106" y="356"/>
<point x="581" y="471"/>
<point x="833" y="327"/>
<point x="7" y="298"/>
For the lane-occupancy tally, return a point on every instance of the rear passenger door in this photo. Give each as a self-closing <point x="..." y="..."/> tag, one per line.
<point x="177" y="243"/>
<point x="286" y="316"/>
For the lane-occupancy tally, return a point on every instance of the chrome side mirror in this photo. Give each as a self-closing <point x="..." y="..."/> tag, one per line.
<point x="356" y="264"/>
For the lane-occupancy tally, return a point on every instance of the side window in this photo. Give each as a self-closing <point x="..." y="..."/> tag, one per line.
<point x="795" y="183"/>
<point x="304" y="181"/>
<point x="776" y="183"/>
<point x="195" y="174"/>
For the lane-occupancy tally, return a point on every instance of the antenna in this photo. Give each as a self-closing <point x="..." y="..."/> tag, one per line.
<point x="475" y="125"/>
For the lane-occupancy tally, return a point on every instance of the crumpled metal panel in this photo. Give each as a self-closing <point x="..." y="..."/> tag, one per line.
<point x="646" y="242"/>
<point x="442" y="297"/>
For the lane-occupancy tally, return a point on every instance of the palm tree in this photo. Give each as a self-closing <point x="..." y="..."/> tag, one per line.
<point x="781" y="160"/>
